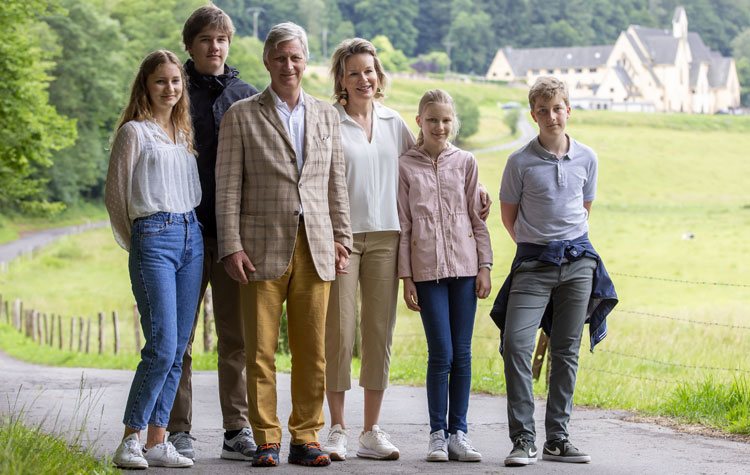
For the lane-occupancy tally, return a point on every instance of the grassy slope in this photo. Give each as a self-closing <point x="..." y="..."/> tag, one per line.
<point x="660" y="177"/>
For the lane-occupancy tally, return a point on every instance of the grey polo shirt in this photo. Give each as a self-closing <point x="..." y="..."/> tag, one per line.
<point x="549" y="192"/>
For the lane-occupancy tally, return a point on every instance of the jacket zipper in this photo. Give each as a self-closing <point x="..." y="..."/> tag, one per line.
<point x="442" y="223"/>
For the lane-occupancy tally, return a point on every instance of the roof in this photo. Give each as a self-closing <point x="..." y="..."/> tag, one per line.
<point x="523" y="59"/>
<point x="718" y="70"/>
<point x="661" y="45"/>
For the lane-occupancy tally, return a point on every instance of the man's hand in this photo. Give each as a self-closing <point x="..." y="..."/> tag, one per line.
<point x="410" y="295"/>
<point x="484" y="283"/>
<point x="342" y="258"/>
<point x="237" y="265"/>
<point x="484" y="199"/>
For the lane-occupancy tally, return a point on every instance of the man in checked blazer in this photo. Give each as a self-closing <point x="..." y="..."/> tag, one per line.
<point x="282" y="212"/>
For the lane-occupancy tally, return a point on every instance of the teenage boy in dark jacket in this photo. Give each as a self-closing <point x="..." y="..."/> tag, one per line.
<point x="213" y="87"/>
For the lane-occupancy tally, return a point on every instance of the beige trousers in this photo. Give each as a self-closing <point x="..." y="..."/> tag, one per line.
<point x="372" y="266"/>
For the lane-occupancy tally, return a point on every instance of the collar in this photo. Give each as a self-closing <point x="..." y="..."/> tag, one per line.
<point x="207" y="80"/>
<point x="379" y="110"/>
<point x="280" y="103"/>
<point x="545" y="154"/>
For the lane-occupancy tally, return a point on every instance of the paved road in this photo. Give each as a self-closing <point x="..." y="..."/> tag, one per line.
<point x="617" y="446"/>
<point x="30" y="242"/>
<point x="528" y="132"/>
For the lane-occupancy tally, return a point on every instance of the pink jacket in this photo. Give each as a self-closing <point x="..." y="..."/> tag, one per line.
<point x="442" y="234"/>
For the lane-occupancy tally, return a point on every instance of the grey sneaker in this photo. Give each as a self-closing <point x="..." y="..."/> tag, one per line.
<point x="240" y="447"/>
<point x="460" y="448"/>
<point x="561" y="450"/>
<point x="129" y="455"/>
<point x="183" y="442"/>
<point x="437" y="450"/>
<point x="523" y="453"/>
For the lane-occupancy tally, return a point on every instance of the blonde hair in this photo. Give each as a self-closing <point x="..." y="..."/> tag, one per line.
<point x="438" y="96"/>
<point x="345" y="50"/>
<point x="139" y="105"/>
<point x="546" y="88"/>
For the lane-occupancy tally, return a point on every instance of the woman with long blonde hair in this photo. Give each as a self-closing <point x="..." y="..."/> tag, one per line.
<point x="152" y="189"/>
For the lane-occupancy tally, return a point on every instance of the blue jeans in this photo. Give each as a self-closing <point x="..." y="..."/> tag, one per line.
<point x="166" y="264"/>
<point x="448" y="309"/>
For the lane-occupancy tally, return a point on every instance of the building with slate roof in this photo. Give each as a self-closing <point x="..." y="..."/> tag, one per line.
<point x="647" y="69"/>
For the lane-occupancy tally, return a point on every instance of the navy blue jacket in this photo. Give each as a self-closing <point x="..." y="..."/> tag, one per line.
<point x="603" y="296"/>
<point x="210" y="97"/>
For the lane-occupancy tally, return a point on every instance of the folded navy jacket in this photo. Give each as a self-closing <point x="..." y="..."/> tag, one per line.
<point x="603" y="296"/>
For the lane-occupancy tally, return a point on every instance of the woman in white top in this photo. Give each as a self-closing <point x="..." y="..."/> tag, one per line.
<point x="373" y="137"/>
<point x="152" y="189"/>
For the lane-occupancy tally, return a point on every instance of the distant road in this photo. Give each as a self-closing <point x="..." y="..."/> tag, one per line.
<point x="528" y="132"/>
<point x="27" y="243"/>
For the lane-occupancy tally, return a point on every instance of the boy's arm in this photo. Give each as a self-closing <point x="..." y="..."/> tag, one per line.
<point x="587" y="206"/>
<point x="508" y="213"/>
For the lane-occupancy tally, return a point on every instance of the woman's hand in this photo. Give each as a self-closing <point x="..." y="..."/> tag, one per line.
<point x="410" y="294"/>
<point x="484" y="283"/>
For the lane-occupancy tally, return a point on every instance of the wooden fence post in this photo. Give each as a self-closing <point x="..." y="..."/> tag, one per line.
<point x="80" y="334"/>
<point x="100" y="324"/>
<point x="17" y="315"/>
<point x="208" y="316"/>
<point x="72" y="328"/>
<point x="47" y="332"/>
<point x="7" y="311"/>
<point x="59" y="332"/>
<point x="20" y="312"/>
<point x="116" y="327"/>
<point x="39" y="328"/>
<point x="137" y="325"/>
<point x="1" y="307"/>
<point x="88" y="334"/>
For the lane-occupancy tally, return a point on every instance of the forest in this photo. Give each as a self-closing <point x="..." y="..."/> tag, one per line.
<point x="66" y="65"/>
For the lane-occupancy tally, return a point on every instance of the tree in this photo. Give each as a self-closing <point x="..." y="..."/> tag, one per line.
<point x="91" y="75"/>
<point x="30" y="128"/>
<point x="471" y="38"/>
<point x="468" y="115"/>
<point x="246" y="54"/>
<point x="393" y="60"/>
<point x="432" y="23"/>
<point x="392" y="18"/>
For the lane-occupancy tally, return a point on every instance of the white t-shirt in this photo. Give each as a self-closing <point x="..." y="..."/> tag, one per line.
<point x="372" y="168"/>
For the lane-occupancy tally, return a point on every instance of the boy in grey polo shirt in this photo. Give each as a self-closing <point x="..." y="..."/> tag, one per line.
<point x="545" y="198"/>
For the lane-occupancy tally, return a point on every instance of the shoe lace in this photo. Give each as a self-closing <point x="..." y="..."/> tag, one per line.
<point x="464" y="443"/>
<point x="381" y="436"/>
<point x="335" y="436"/>
<point x="172" y="451"/>
<point x="269" y="446"/>
<point x="313" y="445"/>
<point x="244" y="439"/>
<point x="437" y="441"/>
<point x="134" y="447"/>
<point x="522" y="443"/>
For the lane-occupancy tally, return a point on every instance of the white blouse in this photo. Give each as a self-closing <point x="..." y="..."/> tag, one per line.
<point x="148" y="173"/>
<point x="372" y="168"/>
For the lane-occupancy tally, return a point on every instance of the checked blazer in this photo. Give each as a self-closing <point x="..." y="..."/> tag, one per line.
<point x="259" y="189"/>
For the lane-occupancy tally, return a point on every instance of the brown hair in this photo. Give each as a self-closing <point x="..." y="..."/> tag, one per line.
<point x="139" y="105"/>
<point x="207" y="15"/>
<point x="546" y="88"/>
<point x="345" y="50"/>
<point x="438" y="96"/>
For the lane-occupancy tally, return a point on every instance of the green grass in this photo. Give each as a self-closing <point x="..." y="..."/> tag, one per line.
<point x="661" y="176"/>
<point x="30" y="450"/>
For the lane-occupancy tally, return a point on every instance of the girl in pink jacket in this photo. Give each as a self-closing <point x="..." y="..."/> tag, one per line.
<point x="445" y="260"/>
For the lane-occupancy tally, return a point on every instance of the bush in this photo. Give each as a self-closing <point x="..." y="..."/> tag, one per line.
<point x="511" y="120"/>
<point x="468" y="114"/>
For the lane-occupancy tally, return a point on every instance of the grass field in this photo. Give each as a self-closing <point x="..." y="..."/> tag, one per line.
<point x="678" y="342"/>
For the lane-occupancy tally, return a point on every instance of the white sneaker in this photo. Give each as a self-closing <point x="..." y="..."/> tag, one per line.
<point x="438" y="448"/>
<point x="459" y="448"/>
<point x="129" y="455"/>
<point x="165" y="455"/>
<point x="335" y="444"/>
<point x="374" y="444"/>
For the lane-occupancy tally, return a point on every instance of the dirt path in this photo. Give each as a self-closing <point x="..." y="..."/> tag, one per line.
<point x="28" y="243"/>
<point x="616" y="445"/>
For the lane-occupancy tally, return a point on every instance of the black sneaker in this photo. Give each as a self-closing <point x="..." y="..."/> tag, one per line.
<point x="523" y="453"/>
<point x="309" y="455"/>
<point x="266" y="455"/>
<point x="561" y="450"/>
